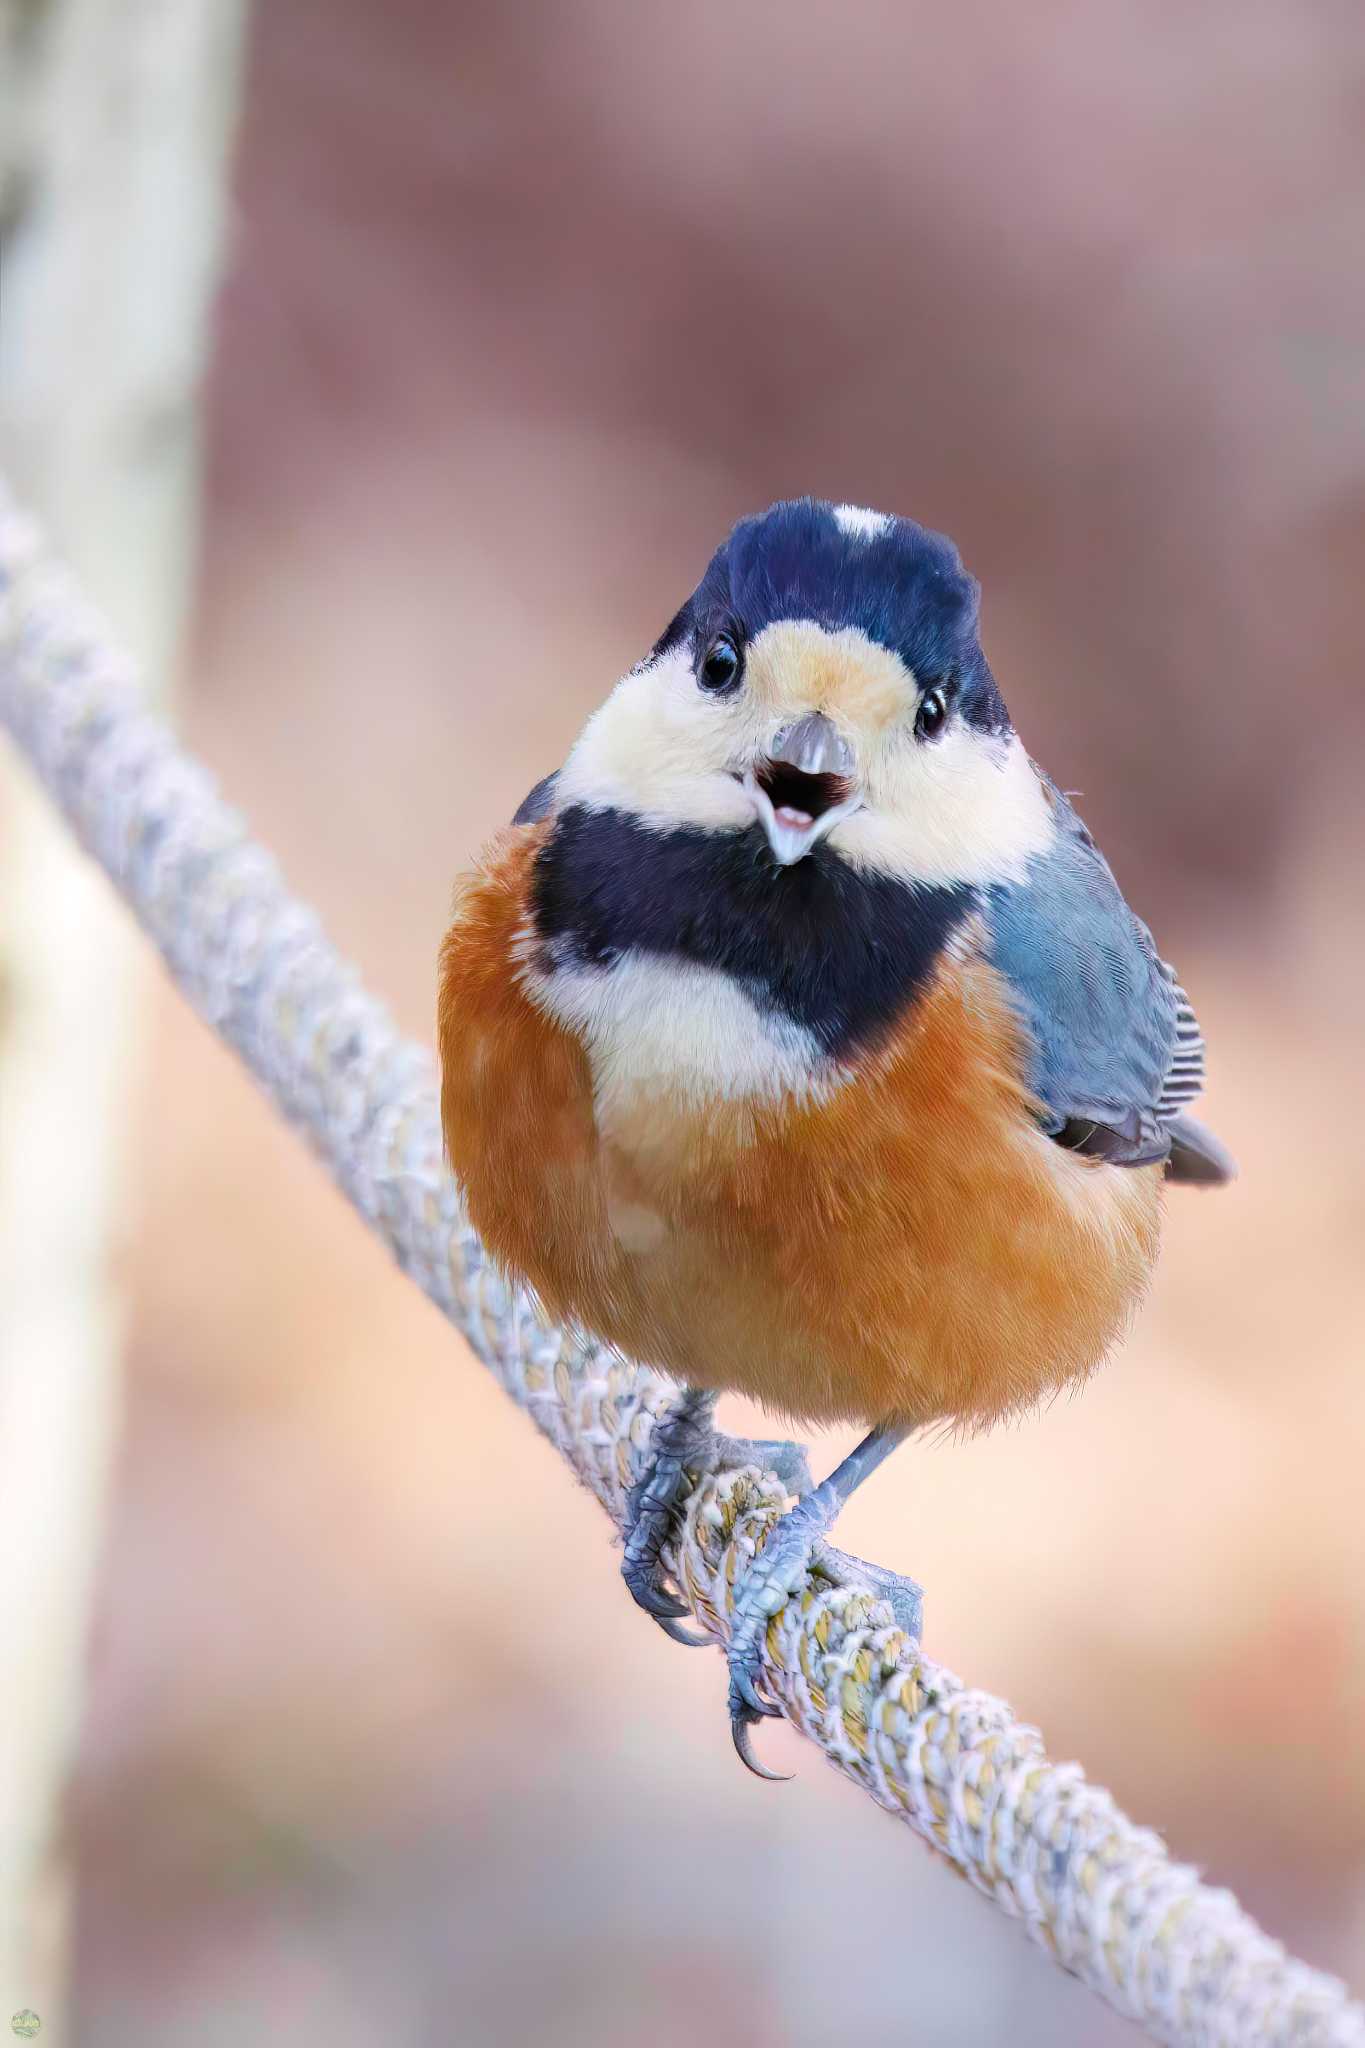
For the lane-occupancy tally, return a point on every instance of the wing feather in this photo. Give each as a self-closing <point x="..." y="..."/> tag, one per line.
<point x="1117" y="1050"/>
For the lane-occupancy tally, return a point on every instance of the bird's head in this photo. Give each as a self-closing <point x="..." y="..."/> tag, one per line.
<point x="822" y="688"/>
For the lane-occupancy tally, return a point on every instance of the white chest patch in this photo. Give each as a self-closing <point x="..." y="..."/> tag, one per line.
<point x="673" y="1033"/>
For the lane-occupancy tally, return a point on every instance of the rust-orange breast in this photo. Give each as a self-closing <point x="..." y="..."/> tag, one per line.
<point x="903" y="1245"/>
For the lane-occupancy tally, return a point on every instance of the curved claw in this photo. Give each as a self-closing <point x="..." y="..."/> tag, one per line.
<point x="676" y="1633"/>
<point x="668" y="1612"/>
<point x="746" y="1701"/>
<point x="741" y="1735"/>
<point x="652" y="1598"/>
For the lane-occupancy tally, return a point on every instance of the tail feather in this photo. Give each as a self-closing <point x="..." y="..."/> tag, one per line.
<point x="1197" y="1157"/>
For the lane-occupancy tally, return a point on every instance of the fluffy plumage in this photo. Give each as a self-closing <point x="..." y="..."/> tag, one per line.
<point x="898" y="1241"/>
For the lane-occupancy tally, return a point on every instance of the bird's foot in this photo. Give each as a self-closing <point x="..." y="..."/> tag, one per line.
<point x="685" y="1443"/>
<point x="771" y="1579"/>
<point x="902" y="1596"/>
<point x="778" y="1571"/>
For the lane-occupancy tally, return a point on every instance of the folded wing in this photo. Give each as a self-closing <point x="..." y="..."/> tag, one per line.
<point x="1116" y="1050"/>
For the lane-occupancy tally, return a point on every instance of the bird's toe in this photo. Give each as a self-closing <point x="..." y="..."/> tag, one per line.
<point x="776" y="1572"/>
<point x="683" y="1443"/>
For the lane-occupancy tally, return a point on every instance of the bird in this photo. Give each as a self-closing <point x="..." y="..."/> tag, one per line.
<point x="797" y="1040"/>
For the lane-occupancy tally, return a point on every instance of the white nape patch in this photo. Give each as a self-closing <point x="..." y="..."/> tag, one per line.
<point x="861" y="524"/>
<point x="966" y="808"/>
<point x="671" y="1031"/>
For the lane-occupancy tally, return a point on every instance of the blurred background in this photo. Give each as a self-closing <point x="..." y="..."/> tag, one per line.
<point x="520" y="309"/>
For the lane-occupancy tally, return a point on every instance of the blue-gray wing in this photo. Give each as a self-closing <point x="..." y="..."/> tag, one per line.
<point x="538" y="803"/>
<point x="1116" y="1050"/>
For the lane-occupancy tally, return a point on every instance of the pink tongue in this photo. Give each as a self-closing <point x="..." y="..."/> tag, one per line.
<point x="787" y="814"/>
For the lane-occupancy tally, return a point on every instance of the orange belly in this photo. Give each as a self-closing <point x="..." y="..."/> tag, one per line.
<point x="906" y="1246"/>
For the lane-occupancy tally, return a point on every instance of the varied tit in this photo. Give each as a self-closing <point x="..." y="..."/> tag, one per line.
<point x="797" y="1039"/>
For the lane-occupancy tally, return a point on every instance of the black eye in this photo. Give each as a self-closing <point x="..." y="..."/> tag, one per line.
<point x="933" y="710"/>
<point x="721" y="667"/>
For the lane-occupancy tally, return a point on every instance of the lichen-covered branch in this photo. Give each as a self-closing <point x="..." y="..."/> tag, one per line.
<point x="1098" y="1893"/>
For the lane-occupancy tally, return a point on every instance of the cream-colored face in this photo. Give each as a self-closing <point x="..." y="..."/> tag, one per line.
<point x="965" y="806"/>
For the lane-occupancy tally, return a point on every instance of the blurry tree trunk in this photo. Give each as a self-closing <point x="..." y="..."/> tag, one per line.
<point x="115" y="123"/>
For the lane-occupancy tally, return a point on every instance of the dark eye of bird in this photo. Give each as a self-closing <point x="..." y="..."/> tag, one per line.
<point x="933" y="711"/>
<point x="721" y="666"/>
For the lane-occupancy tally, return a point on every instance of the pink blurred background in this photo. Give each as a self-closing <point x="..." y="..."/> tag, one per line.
<point x="523" y="308"/>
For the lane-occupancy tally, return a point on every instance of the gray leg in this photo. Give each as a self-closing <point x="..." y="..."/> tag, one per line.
<point x="778" y="1570"/>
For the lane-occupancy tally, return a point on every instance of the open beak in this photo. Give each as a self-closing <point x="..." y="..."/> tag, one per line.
<point x="803" y="786"/>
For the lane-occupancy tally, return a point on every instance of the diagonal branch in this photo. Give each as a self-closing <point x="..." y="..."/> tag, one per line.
<point x="1098" y="1893"/>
